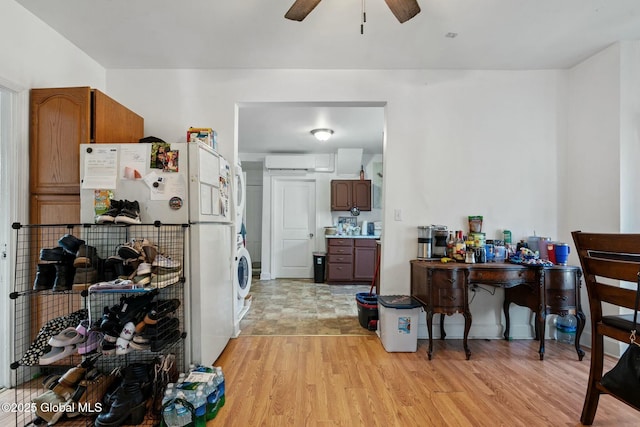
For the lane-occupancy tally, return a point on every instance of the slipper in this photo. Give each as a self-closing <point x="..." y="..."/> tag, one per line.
<point x="91" y="344"/>
<point x="108" y="348"/>
<point x="164" y="324"/>
<point x="56" y="354"/>
<point x="68" y="336"/>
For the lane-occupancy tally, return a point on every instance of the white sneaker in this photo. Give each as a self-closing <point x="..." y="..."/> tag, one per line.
<point x="165" y="261"/>
<point x="164" y="280"/>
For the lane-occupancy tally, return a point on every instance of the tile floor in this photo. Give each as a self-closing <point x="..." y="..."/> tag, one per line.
<point x="302" y="307"/>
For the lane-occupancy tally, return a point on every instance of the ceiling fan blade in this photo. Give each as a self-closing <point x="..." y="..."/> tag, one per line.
<point x="300" y="9"/>
<point x="403" y="9"/>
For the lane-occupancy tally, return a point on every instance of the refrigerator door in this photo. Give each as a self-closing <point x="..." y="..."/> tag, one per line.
<point x="211" y="290"/>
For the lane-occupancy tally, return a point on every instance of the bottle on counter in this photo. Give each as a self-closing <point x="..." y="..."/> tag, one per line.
<point x="451" y="245"/>
<point x="461" y="248"/>
<point x="361" y="173"/>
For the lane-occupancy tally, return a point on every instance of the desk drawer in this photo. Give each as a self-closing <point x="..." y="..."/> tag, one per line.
<point x="503" y="277"/>
<point x="560" y="278"/>
<point x="559" y="299"/>
<point x="449" y="299"/>
<point x="447" y="279"/>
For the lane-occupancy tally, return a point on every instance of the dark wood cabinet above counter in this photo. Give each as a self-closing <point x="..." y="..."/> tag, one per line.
<point x="349" y="193"/>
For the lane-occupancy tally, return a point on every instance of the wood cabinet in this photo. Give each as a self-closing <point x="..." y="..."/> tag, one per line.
<point x="347" y="194"/>
<point x="60" y="120"/>
<point x="351" y="259"/>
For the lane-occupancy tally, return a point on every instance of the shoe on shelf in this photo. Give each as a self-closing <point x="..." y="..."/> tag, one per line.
<point x="86" y="256"/>
<point x="129" y="214"/>
<point x="84" y="277"/>
<point x="152" y="331"/>
<point x="70" y="243"/>
<point x="51" y="255"/>
<point x="122" y="346"/>
<point x="64" y="277"/>
<point x="160" y="309"/>
<point x="113" y="268"/>
<point x="68" y="336"/>
<point x="144" y="268"/>
<point x="110" y="215"/>
<point x="45" y="276"/>
<point x="57" y="353"/>
<point x="165" y="262"/>
<point x="164" y="340"/>
<point x="117" y="284"/>
<point x="142" y="281"/>
<point x="91" y="344"/>
<point x="163" y="280"/>
<point x="150" y="251"/>
<point x="91" y="390"/>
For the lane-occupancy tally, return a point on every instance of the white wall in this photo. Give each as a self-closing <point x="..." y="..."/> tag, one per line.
<point x="457" y="142"/>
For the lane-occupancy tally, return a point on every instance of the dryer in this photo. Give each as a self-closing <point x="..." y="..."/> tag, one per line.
<point x="239" y="196"/>
<point x="241" y="279"/>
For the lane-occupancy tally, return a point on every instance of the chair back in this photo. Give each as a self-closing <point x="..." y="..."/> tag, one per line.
<point x="615" y="257"/>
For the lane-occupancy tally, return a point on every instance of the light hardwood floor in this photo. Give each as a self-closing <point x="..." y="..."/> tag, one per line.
<point x="353" y="381"/>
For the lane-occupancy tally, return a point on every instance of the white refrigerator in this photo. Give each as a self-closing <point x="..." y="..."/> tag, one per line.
<point x="177" y="183"/>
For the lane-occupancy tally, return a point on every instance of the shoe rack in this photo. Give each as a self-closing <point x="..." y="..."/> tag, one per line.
<point x="47" y="300"/>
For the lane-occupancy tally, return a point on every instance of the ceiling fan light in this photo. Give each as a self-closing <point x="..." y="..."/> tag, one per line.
<point x="322" y="134"/>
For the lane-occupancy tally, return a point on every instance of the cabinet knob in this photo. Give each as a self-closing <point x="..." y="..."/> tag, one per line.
<point x="561" y="297"/>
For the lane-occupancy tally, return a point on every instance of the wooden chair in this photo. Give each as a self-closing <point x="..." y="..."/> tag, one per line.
<point x="610" y="256"/>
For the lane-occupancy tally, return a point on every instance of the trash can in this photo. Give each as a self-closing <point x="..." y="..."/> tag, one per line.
<point x="367" y="310"/>
<point x="319" y="266"/>
<point x="398" y="323"/>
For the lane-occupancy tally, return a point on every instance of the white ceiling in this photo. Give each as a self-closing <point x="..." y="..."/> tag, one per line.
<point x="491" y="34"/>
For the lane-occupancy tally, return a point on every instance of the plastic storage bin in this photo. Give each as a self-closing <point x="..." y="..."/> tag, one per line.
<point x="398" y="323"/>
<point x="367" y="310"/>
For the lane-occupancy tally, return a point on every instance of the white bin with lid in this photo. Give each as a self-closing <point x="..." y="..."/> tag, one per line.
<point x="398" y="318"/>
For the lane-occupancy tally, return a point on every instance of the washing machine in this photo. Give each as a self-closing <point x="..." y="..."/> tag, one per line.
<point x="242" y="267"/>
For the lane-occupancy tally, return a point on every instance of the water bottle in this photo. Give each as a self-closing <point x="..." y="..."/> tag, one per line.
<point x="200" y="403"/>
<point x="212" y="399"/>
<point x="183" y="416"/>
<point x="221" y="386"/>
<point x="169" y="416"/>
<point x="566" y="327"/>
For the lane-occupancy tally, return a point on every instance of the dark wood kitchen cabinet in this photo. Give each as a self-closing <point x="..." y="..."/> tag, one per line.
<point x="349" y="193"/>
<point x="351" y="259"/>
<point x="60" y="120"/>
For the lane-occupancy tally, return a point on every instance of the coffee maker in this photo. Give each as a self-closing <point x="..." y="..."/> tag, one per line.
<point x="425" y="241"/>
<point x="440" y="235"/>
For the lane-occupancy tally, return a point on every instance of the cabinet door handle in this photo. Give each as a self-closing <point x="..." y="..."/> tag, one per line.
<point x="451" y="280"/>
<point x="451" y="298"/>
<point x="561" y="297"/>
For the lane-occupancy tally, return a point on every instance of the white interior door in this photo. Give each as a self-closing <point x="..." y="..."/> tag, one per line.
<point x="294" y="220"/>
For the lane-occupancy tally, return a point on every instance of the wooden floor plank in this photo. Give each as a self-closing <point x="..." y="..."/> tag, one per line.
<point x="352" y="380"/>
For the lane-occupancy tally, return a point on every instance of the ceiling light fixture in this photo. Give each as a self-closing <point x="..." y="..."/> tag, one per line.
<point x="322" y="134"/>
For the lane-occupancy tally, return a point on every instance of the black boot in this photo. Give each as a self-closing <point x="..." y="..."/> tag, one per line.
<point x="128" y="407"/>
<point x="45" y="276"/>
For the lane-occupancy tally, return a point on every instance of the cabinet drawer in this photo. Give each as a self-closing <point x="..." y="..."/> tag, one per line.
<point x="340" y="271"/>
<point x="338" y="258"/>
<point x="340" y="250"/>
<point x="560" y="299"/>
<point x="365" y="243"/>
<point x="340" y="242"/>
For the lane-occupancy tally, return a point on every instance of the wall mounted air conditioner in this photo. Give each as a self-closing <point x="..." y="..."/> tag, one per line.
<point x="290" y="162"/>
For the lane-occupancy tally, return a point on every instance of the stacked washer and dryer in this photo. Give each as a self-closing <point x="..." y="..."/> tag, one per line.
<point x="242" y="263"/>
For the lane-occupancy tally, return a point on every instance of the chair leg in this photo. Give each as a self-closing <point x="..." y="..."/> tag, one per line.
<point x="595" y="375"/>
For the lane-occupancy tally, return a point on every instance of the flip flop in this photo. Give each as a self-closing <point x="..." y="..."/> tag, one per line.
<point x="165" y="340"/>
<point x="160" y="309"/>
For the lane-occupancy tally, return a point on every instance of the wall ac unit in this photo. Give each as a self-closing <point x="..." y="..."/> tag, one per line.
<point x="290" y="162"/>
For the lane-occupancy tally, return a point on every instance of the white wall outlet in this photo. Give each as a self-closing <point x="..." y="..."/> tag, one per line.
<point x="397" y="214"/>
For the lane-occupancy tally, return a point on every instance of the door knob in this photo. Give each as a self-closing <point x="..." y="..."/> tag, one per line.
<point x="310" y="235"/>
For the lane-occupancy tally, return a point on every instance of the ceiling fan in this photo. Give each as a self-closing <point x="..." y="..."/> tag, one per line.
<point x="402" y="9"/>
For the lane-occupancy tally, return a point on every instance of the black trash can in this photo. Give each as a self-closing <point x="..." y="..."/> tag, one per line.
<point x="319" y="266"/>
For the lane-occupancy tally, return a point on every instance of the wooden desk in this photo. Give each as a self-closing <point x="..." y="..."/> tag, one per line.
<point x="444" y="288"/>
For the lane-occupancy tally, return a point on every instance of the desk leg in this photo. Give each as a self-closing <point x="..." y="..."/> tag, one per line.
<point x="429" y="327"/>
<point x="541" y="317"/>
<point x="581" y="322"/>
<point x="467" y="328"/>
<point x="442" y="333"/>
<point x="505" y="308"/>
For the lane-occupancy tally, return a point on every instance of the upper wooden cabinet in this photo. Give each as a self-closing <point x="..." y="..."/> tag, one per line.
<point x="347" y="194"/>
<point x="60" y="120"/>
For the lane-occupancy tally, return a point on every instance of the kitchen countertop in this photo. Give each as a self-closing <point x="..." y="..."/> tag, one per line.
<point x="336" y="236"/>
